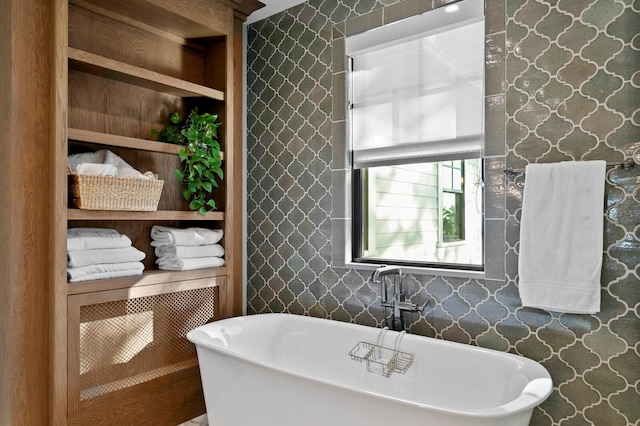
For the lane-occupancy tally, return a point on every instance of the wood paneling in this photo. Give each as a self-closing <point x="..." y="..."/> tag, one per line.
<point x="116" y="38"/>
<point x="152" y="403"/>
<point x="26" y="256"/>
<point x="99" y="104"/>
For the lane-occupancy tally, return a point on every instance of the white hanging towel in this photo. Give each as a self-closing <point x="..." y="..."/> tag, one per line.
<point x="561" y="242"/>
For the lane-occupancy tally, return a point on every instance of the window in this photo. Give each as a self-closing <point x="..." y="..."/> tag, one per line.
<point x="452" y="196"/>
<point x="416" y="102"/>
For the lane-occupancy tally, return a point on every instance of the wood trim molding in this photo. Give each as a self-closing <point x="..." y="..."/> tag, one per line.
<point x="58" y="216"/>
<point x="245" y="7"/>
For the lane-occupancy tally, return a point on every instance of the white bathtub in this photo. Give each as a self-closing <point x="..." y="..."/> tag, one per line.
<point x="290" y="370"/>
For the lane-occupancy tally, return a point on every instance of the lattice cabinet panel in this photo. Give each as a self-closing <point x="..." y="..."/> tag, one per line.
<point x="124" y="338"/>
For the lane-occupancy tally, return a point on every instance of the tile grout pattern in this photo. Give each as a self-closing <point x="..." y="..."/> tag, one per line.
<point x="563" y="86"/>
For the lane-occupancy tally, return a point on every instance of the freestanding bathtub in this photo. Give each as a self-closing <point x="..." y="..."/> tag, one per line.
<point x="290" y="370"/>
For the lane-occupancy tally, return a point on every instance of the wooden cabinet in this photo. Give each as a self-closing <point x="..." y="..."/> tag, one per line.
<point x="128" y="65"/>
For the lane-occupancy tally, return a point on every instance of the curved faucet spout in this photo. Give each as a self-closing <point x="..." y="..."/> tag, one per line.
<point x="379" y="276"/>
<point x="385" y="270"/>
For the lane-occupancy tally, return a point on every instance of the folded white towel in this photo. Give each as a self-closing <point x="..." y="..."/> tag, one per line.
<point x="124" y="169"/>
<point x="561" y="241"/>
<point x="174" y="260"/>
<point x="93" y="232"/>
<point x="95" y="238"/>
<point x="77" y="274"/>
<point x="86" y="157"/>
<point x="107" y="275"/>
<point x="189" y="252"/>
<point x="96" y="169"/>
<point x="195" y="263"/>
<point x="79" y="258"/>
<point x="164" y="235"/>
<point x="106" y="157"/>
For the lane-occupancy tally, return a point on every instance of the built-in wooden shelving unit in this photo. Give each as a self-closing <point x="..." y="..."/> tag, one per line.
<point x="129" y="65"/>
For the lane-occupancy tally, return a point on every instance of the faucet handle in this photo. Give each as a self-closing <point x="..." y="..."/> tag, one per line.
<point x="412" y="307"/>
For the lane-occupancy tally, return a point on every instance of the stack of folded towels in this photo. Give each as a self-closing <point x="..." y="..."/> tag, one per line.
<point x="183" y="249"/>
<point x="100" y="253"/>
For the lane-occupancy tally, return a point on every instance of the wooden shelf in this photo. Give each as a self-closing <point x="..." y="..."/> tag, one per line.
<point x="126" y="73"/>
<point x="173" y="280"/>
<point x="77" y="214"/>
<point x="124" y="141"/>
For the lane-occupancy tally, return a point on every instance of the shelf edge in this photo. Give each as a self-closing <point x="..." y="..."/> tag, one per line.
<point x="151" y="277"/>
<point x="122" y="141"/>
<point x="160" y="215"/>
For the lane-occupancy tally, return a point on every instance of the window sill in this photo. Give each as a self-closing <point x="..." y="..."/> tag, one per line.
<point x="414" y="270"/>
<point x="458" y="243"/>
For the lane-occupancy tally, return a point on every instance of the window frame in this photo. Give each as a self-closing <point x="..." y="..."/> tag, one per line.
<point x="355" y="243"/>
<point x="357" y="240"/>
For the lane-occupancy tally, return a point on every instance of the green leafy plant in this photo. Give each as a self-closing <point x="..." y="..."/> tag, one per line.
<point x="449" y="222"/>
<point x="200" y="157"/>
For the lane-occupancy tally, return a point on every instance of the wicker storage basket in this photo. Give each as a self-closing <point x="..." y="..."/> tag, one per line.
<point x="91" y="192"/>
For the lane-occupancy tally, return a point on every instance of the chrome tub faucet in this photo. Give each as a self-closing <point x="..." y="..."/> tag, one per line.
<point x="385" y="275"/>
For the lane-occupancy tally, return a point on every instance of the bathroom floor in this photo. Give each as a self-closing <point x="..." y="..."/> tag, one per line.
<point x="198" y="421"/>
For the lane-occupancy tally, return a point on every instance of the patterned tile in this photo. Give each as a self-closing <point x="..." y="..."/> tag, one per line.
<point x="562" y="80"/>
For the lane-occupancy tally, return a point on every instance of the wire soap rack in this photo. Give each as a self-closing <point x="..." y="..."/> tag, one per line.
<point x="382" y="360"/>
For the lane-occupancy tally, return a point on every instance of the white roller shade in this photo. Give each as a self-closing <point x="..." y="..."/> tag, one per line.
<point x="419" y="97"/>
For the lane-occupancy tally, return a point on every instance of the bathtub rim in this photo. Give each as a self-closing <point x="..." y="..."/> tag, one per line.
<point x="533" y="394"/>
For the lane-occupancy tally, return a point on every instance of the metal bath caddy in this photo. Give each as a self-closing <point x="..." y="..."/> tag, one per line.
<point x="382" y="360"/>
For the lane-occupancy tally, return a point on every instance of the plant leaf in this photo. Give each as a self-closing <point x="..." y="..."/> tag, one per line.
<point x="200" y="155"/>
<point x="175" y="118"/>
